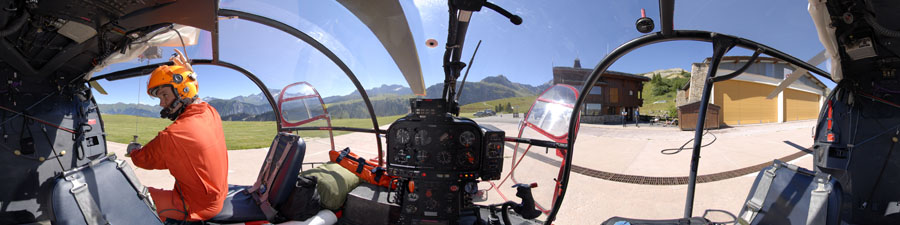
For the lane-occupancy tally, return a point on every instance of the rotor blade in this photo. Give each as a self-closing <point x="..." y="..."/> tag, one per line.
<point x="97" y="86"/>
<point x="388" y="22"/>
<point x="816" y="60"/>
<point x="666" y="14"/>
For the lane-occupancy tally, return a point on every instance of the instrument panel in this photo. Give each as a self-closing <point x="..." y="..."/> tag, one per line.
<point x="455" y="146"/>
<point x="438" y="159"/>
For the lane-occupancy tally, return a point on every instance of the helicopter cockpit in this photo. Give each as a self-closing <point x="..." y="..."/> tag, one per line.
<point x="387" y="85"/>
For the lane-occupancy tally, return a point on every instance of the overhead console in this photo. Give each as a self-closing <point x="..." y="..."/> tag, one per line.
<point x="439" y="160"/>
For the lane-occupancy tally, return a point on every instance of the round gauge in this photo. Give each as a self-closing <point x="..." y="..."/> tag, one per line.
<point x="412" y="197"/>
<point x="467" y="158"/>
<point x="467" y="138"/>
<point x="421" y="138"/>
<point x="446" y="138"/>
<point x="402" y="136"/>
<point x="410" y="209"/>
<point x="444" y="157"/>
<point x="402" y="156"/>
<point x="421" y="156"/>
<point x="431" y="204"/>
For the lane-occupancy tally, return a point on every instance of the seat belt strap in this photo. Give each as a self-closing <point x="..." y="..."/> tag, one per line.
<point x="752" y="207"/>
<point x="270" y="179"/>
<point x="268" y="210"/>
<point x="264" y="172"/>
<point x="142" y="191"/>
<point x="89" y="209"/>
<point x="818" y="200"/>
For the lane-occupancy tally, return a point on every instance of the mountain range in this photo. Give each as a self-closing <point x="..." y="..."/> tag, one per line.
<point x="386" y="100"/>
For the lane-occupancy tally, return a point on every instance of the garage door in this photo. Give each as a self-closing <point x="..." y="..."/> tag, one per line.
<point x="800" y="105"/>
<point x="745" y="102"/>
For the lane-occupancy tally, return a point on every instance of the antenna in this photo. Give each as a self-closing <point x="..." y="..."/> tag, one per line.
<point x="459" y="93"/>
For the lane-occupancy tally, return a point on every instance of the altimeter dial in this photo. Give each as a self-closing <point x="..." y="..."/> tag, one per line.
<point x="467" y="138"/>
<point x="402" y="136"/>
<point x="421" y="138"/>
<point x="444" y="157"/>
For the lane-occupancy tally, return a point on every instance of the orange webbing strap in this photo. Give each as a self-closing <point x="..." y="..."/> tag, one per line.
<point x="364" y="169"/>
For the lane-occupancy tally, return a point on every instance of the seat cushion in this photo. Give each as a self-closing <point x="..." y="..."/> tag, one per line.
<point x="334" y="183"/>
<point x="239" y="207"/>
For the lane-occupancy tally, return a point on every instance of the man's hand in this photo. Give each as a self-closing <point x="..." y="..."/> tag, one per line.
<point x="180" y="60"/>
<point x="134" y="146"/>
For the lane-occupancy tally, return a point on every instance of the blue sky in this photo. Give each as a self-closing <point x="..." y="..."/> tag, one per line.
<point x="553" y="33"/>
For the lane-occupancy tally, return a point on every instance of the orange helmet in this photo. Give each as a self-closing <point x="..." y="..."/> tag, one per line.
<point x="179" y="78"/>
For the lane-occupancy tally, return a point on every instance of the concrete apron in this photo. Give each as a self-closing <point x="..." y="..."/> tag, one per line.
<point x="589" y="200"/>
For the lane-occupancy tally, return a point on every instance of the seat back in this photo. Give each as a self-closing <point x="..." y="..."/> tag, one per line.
<point x="105" y="191"/>
<point x="787" y="194"/>
<point x="278" y="174"/>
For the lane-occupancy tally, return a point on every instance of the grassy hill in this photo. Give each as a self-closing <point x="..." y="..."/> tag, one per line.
<point x="238" y="134"/>
<point x="662" y="89"/>
<point x="522" y="104"/>
<point x="649" y="108"/>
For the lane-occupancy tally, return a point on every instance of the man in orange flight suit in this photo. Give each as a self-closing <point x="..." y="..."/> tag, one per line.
<point x="192" y="148"/>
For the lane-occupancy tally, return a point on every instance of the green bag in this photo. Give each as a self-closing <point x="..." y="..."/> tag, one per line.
<point x="334" y="183"/>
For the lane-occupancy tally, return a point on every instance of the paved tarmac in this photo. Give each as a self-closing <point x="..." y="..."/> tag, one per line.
<point x="608" y="148"/>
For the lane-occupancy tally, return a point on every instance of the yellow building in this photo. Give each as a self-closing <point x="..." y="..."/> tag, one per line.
<point x="743" y="98"/>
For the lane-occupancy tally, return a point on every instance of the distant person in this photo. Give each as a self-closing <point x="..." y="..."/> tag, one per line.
<point x="624" y="114"/>
<point x="192" y="148"/>
<point x="637" y="117"/>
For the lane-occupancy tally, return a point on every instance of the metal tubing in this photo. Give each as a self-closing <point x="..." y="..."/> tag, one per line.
<point x="741" y="70"/>
<point x="666" y="15"/>
<point x="629" y="46"/>
<point x="536" y="142"/>
<point x="318" y="46"/>
<point x="721" y="45"/>
<point x="144" y="70"/>
<point x="353" y="129"/>
<point x="248" y="74"/>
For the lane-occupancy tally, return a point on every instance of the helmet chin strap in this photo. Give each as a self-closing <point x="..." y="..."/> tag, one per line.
<point x="175" y="109"/>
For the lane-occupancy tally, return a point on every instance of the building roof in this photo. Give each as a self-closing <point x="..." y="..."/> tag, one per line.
<point x="737" y="59"/>
<point x="608" y="73"/>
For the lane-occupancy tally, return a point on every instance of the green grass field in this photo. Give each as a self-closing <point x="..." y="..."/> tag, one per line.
<point x="238" y="134"/>
<point x="656" y="109"/>
<point x="522" y="104"/>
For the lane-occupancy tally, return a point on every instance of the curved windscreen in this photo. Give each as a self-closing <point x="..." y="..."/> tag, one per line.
<point x="551" y="112"/>
<point x="321" y="59"/>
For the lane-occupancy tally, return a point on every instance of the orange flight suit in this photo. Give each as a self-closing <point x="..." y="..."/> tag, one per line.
<point x="193" y="150"/>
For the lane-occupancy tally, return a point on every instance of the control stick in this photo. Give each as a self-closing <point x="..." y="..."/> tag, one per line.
<point x="526" y="208"/>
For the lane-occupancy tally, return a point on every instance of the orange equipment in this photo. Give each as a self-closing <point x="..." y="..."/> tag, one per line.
<point x="364" y="169"/>
<point x="180" y="78"/>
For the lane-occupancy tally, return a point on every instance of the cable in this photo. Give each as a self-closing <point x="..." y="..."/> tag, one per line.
<point x="883" y="166"/>
<point x="136" y="118"/>
<point x="183" y="48"/>
<point x="880" y="29"/>
<point x="15" y="25"/>
<point x="43" y="99"/>
<point x="183" y="205"/>
<point x="672" y="151"/>
<point x="504" y="211"/>
<point x="36" y="119"/>
<point x="44" y="129"/>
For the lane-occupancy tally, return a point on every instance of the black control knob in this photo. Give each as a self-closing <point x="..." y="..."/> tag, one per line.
<point x="644" y="24"/>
